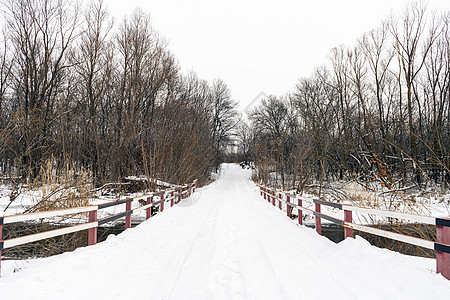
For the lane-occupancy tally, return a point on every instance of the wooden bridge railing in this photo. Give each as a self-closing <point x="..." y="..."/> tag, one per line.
<point x="441" y="246"/>
<point x="173" y="195"/>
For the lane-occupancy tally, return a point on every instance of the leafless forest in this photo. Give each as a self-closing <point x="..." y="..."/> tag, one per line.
<point x="83" y="94"/>
<point x="100" y="99"/>
<point x="379" y="111"/>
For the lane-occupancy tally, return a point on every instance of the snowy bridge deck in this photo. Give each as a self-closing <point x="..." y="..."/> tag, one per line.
<point x="226" y="242"/>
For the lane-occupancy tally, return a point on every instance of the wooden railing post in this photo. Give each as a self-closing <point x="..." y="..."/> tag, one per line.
<point x="279" y="200"/>
<point x="1" y="238"/>
<point x="300" y="212"/>
<point x="179" y="195"/>
<point x="288" y="208"/>
<point x="162" y="203"/>
<point x="128" y="217"/>
<point x="273" y="198"/>
<point x="318" y="220"/>
<point x="92" y="232"/>
<point x="171" y="199"/>
<point x="148" y="211"/>
<point x="442" y="258"/>
<point x="348" y="232"/>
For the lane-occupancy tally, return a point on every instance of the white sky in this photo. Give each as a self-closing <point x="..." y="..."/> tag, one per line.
<point x="257" y="46"/>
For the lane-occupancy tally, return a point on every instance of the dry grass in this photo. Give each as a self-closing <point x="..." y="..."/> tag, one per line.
<point x="63" y="186"/>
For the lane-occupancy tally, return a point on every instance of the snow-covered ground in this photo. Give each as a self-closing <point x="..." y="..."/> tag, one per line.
<point x="225" y="242"/>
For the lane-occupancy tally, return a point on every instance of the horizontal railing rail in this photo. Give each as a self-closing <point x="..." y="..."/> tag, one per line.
<point x="441" y="246"/>
<point x="173" y="195"/>
<point x="46" y="214"/>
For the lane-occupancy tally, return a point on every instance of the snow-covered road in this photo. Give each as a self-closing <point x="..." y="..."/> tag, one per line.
<point x="226" y="242"/>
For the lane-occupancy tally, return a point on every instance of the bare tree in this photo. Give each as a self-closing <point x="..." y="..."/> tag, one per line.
<point x="224" y="117"/>
<point x="408" y="38"/>
<point x="41" y="34"/>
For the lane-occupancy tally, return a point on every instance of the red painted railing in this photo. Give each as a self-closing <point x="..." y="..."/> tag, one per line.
<point x="441" y="245"/>
<point x="174" y="196"/>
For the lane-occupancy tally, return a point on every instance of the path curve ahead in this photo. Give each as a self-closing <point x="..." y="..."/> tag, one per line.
<point x="226" y="242"/>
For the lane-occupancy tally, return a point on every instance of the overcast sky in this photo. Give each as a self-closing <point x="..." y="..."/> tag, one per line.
<point x="260" y="46"/>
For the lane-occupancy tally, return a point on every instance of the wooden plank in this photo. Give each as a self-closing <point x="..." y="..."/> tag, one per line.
<point x="47" y="214"/>
<point x="392" y="214"/>
<point x="114" y="203"/>
<point x="114" y="217"/>
<point x="392" y="235"/>
<point x="45" y="235"/>
<point x="328" y="203"/>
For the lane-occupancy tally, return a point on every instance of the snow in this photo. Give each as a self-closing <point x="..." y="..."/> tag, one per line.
<point x="224" y="242"/>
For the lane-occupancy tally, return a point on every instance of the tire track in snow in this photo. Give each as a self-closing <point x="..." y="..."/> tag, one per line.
<point x="188" y="250"/>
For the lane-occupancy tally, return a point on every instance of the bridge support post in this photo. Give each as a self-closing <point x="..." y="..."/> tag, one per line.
<point x="442" y="258"/>
<point x="171" y="199"/>
<point x="348" y="232"/>
<point x="92" y="232"/>
<point x="288" y="208"/>
<point x="148" y="211"/>
<point x="300" y="212"/>
<point x="162" y="203"/>
<point x="128" y="217"/>
<point x="318" y="220"/>
<point x="180" y="191"/>
<point x="273" y="198"/>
